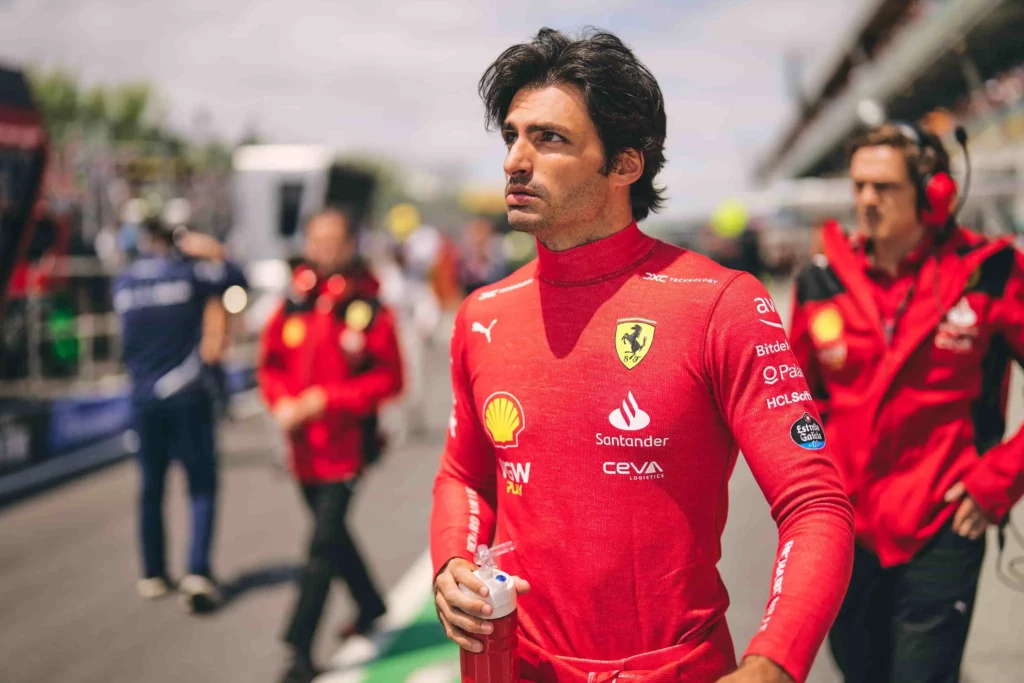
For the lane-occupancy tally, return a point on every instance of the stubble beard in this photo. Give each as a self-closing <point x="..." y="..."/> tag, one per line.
<point x="579" y="204"/>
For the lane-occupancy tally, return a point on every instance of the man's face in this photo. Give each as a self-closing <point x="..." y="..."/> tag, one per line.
<point x="329" y="247"/>
<point x="883" y="194"/>
<point x="553" y="169"/>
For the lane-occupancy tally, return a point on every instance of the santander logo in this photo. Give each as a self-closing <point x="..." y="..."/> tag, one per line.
<point x="630" y="417"/>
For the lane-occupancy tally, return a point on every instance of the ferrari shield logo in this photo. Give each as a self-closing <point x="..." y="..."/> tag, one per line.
<point x="633" y="339"/>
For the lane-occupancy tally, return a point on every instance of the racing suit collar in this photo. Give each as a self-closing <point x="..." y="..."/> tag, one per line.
<point x="595" y="261"/>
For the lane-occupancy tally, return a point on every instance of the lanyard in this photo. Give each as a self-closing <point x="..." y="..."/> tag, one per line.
<point x="889" y="326"/>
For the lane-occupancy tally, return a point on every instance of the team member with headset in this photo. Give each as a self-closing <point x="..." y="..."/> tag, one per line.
<point x="905" y="329"/>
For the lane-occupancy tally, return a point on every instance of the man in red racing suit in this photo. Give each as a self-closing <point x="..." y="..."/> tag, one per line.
<point x="601" y="396"/>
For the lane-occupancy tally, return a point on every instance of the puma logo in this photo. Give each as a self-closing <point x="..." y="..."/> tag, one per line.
<point x="486" y="331"/>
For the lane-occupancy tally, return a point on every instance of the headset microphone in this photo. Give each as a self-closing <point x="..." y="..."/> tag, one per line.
<point x="961" y="138"/>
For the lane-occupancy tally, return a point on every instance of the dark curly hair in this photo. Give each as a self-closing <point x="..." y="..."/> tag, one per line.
<point x="622" y="97"/>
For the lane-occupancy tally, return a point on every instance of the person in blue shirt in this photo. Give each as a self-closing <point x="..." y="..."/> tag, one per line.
<point x="160" y="299"/>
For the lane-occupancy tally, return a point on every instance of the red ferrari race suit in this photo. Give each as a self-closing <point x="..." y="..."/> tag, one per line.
<point x="601" y="395"/>
<point x="908" y="419"/>
<point x="334" y="334"/>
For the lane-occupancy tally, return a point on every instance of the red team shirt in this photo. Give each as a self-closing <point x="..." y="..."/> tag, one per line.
<point x="601" y="396"/>
<point x="343" y="341"/>
<point x="910" y="416"/>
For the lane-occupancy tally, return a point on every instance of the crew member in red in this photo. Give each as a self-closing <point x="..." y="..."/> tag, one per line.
<point x="905" y="330"/>
<point x="601" y="395"/>
<point x="329" y="358"/>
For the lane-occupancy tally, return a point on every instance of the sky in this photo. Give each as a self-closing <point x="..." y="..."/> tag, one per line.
<point x="398" y="78"/>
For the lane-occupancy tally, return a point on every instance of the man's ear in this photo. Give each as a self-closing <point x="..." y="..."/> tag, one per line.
<point x="628" y="167"/>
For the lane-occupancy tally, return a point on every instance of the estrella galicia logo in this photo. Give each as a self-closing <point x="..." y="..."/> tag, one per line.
<point x="808" y="433"/>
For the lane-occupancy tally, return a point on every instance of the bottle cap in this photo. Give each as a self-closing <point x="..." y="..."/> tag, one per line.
<point x="501" y="593"/>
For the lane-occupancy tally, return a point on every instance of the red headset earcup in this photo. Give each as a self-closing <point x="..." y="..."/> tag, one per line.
<point x="940" y="192"/>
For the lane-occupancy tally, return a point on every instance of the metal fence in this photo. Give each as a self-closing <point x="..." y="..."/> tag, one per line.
<point x="63" y="335"/>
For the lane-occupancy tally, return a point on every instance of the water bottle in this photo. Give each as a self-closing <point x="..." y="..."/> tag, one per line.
<point x="498" y="661"/>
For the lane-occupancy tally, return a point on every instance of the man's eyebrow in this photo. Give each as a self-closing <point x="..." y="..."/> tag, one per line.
<point x="539" y="128"/>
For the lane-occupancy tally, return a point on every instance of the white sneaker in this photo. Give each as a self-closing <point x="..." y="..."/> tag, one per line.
<point x="198" y="594"/>
<point x="152" y="588"/>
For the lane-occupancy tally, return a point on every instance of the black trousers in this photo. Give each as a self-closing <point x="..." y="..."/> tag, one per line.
<point x="332" y="552"/>
<point x="179" y="428"/>
<point x="908" y="624"/>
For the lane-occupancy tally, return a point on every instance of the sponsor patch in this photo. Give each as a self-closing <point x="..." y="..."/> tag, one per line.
<point x="958" y="332"/>
<point x="808" y="433"/>
<point x="504" y="419"/>
<point x="293" y="333"/>
<point x="358" y="315"/>
<point x="826" y="326"/>
<point x="771" y="348"/>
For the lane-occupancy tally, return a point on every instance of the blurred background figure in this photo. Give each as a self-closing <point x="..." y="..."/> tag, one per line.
<point x="329" y="359"/>
<point x="409" y="287"/>
<point x="483" y="261"/>
<point x="176" y="216"/>
<point x="133" y="215"/>
<point x="161" y="299"/>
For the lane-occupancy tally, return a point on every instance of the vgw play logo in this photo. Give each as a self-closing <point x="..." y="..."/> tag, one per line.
<point x="516" y="475"/>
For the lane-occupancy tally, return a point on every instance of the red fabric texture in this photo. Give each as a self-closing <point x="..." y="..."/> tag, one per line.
<point x="612" y="476"/>
<point x="890" y="292"/>
<point x="899" y="416"/>
<point x="304" y="348"/>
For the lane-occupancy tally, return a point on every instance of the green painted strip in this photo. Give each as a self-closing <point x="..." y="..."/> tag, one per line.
<point x="419" y="646"/>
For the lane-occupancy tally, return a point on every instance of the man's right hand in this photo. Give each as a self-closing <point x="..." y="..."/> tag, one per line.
<point x="460" y="614"/>
<point x="200" y="246"/>
<point x="287" y="414"/>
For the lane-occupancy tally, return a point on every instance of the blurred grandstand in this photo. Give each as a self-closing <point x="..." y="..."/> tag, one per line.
<point x="938" y="62"/>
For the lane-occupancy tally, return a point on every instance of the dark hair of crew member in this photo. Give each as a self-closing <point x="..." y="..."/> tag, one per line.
<point x="156" y="229"/>
<point x="924" y="155"/>
<point x="330" y="210"/>
<point x="622" y="97"/>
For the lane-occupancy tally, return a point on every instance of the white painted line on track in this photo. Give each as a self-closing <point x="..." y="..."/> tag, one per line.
<point x="441" y="673"/>
<point x="404" y="601"/>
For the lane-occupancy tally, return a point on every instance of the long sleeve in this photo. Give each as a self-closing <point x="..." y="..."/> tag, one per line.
<point x="362" y="393"/>
<point x="465" y="493"/>
<point x="997" y="481"/>
<point x="803" y="348"/>
<point x="214" y="341"/>
<point x="774" y="421"/>
<point x="271" y="370"/>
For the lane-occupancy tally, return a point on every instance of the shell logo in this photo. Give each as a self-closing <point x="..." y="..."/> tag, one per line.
<point x="827" y="325"/>
<point x="358" y="315"/>
<point x="504" y="419"/>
